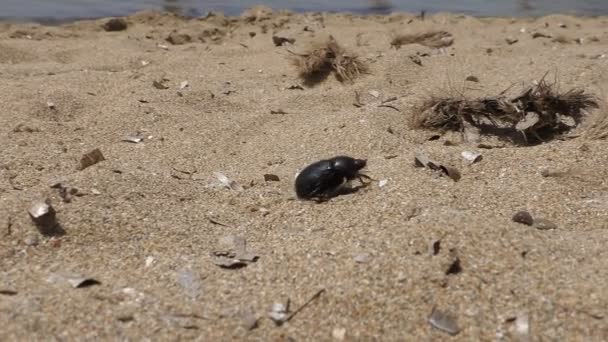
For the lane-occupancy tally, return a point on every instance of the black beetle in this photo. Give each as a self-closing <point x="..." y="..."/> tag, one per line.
<point x="325" y="178"/>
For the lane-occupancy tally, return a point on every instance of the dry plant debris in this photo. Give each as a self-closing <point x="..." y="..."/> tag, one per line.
<point x="541" y="111"/>
<point x="422" y="160"/>
<point x="599" y="127"/>
<point x="321" y="59"/>
<point x="235" y="253"/>
<point x="279" y="41"/>
<point x="433" y="39"/>
<point x="281" y="313"/>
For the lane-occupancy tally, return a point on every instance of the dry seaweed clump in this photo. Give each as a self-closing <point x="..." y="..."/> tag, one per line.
<point x="598" y="130"/>
<point x="539" y="112"/>
<point x="322" y="59"/>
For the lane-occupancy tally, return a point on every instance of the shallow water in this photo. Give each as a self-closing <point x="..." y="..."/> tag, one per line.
<point x="59" y="10"/>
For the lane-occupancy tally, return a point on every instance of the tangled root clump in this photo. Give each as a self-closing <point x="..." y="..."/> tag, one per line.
<point x="328" y="57"/>
<point x="539" y="111"/>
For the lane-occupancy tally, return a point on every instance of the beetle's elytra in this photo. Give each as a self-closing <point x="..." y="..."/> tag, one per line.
<point x="325" y="179"/>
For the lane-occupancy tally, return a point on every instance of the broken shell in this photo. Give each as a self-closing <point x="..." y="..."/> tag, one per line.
<point x="382" y="183"/>
<point x="227" y="182"/>
<point x="444" y="322"/>
<point x="472" y="157"/>
<point x="279" y="312"/>
<point x="544" y="224"/>
<point x="40" y="209"/>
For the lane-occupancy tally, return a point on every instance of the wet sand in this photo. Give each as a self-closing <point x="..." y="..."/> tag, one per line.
<point x="144" y="221"/>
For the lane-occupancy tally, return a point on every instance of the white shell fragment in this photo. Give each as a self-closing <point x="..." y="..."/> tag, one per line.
<point x="227" y="182"/>
<point x="444" y="322"/>
<point x="40" y="209"/>
<point x="382" y="183"/>
<point x="184" y="84"/>
<point x="522" y="327"/>
<point x="472" y="157"/>
<point x="374" y="93"/>
<point x="279" y="312"/>
<point x="133" y="138"/>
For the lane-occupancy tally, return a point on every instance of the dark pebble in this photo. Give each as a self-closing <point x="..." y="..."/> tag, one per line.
<point x="523" y="217"/>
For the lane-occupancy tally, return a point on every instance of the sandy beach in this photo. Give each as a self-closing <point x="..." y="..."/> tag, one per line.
<point x="174" y="103"/>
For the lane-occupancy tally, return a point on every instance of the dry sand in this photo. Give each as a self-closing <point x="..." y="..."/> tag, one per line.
<point x="144" y="223"/>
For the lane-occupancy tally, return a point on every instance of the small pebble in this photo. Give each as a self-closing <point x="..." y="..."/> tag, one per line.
<point x="523" y="217"/>
<point x="31" y="240"/>
<point x="115" y="24"/>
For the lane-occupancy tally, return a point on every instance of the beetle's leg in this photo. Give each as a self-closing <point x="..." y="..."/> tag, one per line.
<point x="362" y="176"/>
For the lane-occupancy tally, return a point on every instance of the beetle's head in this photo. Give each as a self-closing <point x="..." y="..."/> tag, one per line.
<point x="348" y="166"/>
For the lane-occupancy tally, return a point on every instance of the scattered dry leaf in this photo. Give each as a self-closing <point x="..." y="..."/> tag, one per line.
<point x="421" y="160"/>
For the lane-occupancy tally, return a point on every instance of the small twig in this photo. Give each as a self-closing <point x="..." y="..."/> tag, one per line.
<point x="390" y="99"/>
<point x="358" y="103"/>
<point x="214" y="221"/>
<point x="9" y="226"/>
<point x="314" y="297"/>
<point x="389" y="106"/>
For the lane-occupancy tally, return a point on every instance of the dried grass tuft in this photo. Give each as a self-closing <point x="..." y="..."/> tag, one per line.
<point x="324" y="58"/>
<point x="433" y="39"/>
<point x="599" y="128"/>
<point x="540" y="111"/>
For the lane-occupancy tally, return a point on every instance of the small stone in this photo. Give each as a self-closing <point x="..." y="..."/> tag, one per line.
<point x="178" y="38"/>
<point x="472" y="79"/>
<point x="544" y="224"/>
<point x="115" y="24"/>
<point x="523" y="217"/>
<point x="31" y="240"/>
<point x="511" y="40"/>
<point x="338" y="334"/>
